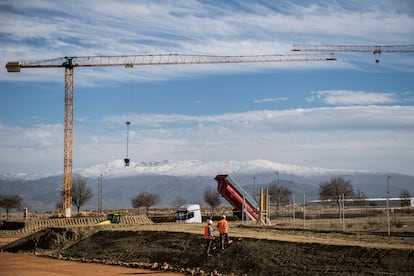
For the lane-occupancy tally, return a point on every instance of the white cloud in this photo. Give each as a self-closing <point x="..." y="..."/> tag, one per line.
<point x="31" y="149"/>
<point x="317" y="119"/>
<point x="373" y="137"/>
<point x="37" y="136"/>
<point x="345" y="97"/>
<point x="47" y="29"/>
<point x="267" y="100"/>
<point x="354" y="134"/>
<point x="342" y="137"/>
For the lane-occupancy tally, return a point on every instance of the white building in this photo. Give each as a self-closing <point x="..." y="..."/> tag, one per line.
<point x="373" y="201"/>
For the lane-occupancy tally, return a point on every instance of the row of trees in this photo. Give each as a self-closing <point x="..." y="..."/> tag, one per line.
<point x="81" y="194"/>
<point x="337" y="186"/>
<point x="211" y="197"/>
<point x="330" y="190"/>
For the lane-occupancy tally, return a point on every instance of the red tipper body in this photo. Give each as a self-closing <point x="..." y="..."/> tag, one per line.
<point x="235" y="194"/>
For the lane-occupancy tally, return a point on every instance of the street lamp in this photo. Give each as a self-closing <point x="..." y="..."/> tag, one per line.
<point x="277" y="173"/>
<point x="254" y="187"/>
<point x="100" y="195"/>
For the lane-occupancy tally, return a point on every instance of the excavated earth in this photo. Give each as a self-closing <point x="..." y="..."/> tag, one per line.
<point x="185" y="252"/>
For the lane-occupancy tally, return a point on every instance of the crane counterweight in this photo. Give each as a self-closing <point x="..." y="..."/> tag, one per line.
<point x="13" y="67"/>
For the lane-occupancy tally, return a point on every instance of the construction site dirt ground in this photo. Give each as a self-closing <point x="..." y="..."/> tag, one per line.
<point x="254" y="251"/>
<point x="29" y="265"/>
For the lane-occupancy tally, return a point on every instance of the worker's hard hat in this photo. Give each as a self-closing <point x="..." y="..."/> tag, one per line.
<point x="223" y="216"/>
<point x="209" y="221"/>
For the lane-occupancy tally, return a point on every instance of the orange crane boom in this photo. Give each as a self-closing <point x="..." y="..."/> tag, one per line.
<point x="130" y="61"/>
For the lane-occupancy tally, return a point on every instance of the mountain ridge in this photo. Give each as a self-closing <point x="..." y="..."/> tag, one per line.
<point x="116" y="168"/>
<point x="188" y="179"/>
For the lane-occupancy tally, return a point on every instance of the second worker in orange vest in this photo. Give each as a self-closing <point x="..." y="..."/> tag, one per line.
<point x="223" y="227"/>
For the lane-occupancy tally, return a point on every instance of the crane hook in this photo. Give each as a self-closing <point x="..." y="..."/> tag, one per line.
<point x="377" y="51"/>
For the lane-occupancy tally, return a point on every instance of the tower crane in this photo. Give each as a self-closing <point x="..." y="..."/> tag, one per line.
<point x="376" y="50"/>
<point x="69" y="63"/>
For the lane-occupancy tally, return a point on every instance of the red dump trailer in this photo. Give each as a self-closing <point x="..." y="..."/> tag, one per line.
<point x="236" y="195"/>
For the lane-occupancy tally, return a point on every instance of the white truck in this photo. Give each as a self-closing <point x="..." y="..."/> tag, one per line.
<point x="190" y="213"/>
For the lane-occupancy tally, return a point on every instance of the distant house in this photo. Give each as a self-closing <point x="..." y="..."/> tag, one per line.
<point x="373" y="201"/>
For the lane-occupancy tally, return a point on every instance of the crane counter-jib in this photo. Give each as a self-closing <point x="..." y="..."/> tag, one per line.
<point x="376" y="49"/>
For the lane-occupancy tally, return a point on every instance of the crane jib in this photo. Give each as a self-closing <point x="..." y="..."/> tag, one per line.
<point x="161" y="59"/>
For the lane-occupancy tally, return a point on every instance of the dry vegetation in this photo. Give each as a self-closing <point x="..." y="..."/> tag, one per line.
<point x="318" y="244"/>
<point x="369" y="220"/>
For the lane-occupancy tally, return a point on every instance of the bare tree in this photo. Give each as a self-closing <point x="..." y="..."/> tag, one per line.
<point x="178" y="201"/>
<point x="335" y="188"/>
<point x="80" y="192"/>
<point x="212" y="198"/>
<point x="405" y="197"/>
<point x="279" y="195"/>
<point x="9" y="202"/>
<point x="145" y="200"/>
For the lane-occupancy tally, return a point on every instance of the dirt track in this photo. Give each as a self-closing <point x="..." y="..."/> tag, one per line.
<point x="252" y="256"/>
<point x="29" y="265"/>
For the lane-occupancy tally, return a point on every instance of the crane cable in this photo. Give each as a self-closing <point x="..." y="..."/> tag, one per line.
<point x="128" y="104"/>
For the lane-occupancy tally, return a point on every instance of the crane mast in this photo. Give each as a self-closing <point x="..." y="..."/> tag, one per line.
<point x="69" y="63"/>
<point x="68" y="141"/>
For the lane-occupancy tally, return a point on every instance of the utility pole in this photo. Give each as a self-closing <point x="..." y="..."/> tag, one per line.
<point x="294" y="211"/>
<point x="304" y="209"/>
<point x="277" y="173"/>
<point x="100" y="195"/>
<point x="254" y="188"/>
<point x="388" y="206"/>
<point x="343" y="212"/>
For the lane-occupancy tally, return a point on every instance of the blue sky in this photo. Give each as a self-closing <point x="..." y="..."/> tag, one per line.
<point x="349" y="114"/>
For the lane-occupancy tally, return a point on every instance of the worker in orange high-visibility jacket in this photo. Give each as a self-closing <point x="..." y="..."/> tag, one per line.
<point x="209" y="236"/>
<point x="223" y="227"/>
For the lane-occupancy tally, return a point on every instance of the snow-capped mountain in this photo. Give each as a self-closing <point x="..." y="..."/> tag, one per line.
<point x="117" y="168"/>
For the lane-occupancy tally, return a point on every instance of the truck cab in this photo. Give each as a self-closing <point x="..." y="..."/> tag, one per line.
<point x="190" y="213"/>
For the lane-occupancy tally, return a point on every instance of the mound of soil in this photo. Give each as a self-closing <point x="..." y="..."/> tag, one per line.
<point x="50" y="239"/>
<point x="244" y="256"/>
